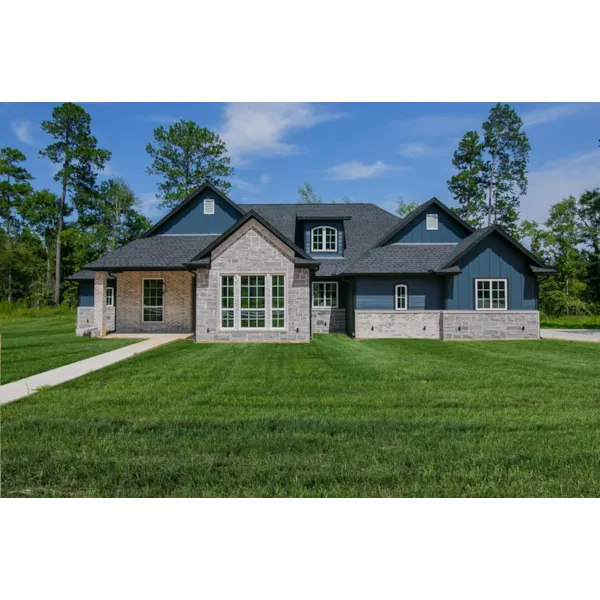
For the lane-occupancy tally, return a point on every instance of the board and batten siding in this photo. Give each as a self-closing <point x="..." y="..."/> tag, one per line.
<point x="378" y="293"/>
<point x="449" y="231"/>
<point x="493" y="258"/>
<point x="310" y="225"/>
<point x="192" y="220"/>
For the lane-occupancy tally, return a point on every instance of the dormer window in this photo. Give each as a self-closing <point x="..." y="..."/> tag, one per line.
<point x="324" y="239"/>
<point x="432" y="222"/>
<point x="209" y="206"/>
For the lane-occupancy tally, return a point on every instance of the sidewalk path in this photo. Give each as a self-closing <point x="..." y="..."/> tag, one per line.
<point x="27" y="386"/>
<point x="572" y="335"/>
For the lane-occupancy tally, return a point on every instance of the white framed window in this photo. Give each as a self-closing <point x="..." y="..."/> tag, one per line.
<point x="491" y="294"/>
<point x="227" y="302"/>
<point x="325" y="294"/>
<point x="432" y="222"/>
<point x="209" y="206"/>
<point x="401" y="297"/>
<point x="323" y="239"/>
<point x="278" y="302"/>
<point x="153" y="310"/>
<point x="252" y="305"/>
<point x="110" y="296"/>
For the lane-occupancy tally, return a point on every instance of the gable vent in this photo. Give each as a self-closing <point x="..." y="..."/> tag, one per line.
<point x="432" y="222"/>
<point x="209" y="206"/>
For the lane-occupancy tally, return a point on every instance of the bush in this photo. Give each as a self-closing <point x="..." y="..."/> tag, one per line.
<point x="20" y="310"/>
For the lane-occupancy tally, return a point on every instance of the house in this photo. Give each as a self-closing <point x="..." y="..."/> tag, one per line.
<point x="281" y="272"/>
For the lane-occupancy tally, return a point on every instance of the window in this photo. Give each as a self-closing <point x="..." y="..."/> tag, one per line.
<point x="209" y="207"/>
<point x="401" y="297"/>
<point x="324" y="239"/>
<point x="325" y="294"/>
<point x="490" y="294"/>
<point x="252" y="292"/>
<point x="110" y="296"/>
<point x="227" y="301"/>
<point x="278" y="301"/>
<point x="432" y="222"/>
<point x="153" y="309"/>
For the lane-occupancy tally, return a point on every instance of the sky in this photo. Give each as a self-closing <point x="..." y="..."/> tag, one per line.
<point x="367" y="152"/>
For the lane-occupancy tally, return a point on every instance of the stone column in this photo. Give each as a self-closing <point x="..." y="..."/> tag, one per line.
<point x="100" y="302"/>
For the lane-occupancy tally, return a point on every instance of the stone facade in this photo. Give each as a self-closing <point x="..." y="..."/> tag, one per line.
<point x="482" y="325"/>
<point x="100" y="302"/>
<point x="252" y="249"/>
<point x="328" y="320"/>
<point x="85" y="320"/>
<point x="397" y="324"/>
<point x="178" y="302"/>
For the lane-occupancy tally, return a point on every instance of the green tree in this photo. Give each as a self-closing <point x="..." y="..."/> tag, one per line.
<point x="187" y="156"/>
<point x="467" y="185"/>
<point x="76" y="151"/>
<point x="111" y="215"/>
<point x="588" y="213"/>
<point x="505" y="170"/>
<point x="405" y="207"/>
<point x="14" y="188"/>
<point x="306" y="195"/>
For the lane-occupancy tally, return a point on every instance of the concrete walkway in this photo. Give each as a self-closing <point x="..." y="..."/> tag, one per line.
<point x="25" y="387"/>
<point x="572" y="335"/>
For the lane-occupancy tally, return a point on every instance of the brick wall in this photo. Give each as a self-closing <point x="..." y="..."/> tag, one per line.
<point x="252" y="250"/>
<point x="328" y="320"/>
<point x="481" y="325"/>
<point x="85" y="319"/>
<point x="397" y="324"/>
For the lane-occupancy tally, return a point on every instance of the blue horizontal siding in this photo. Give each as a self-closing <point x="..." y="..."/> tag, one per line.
<point x="310" y="225"/>
<point x="85" y="292"/>
<point x="449" y="230"/>
<point x="377" y="293"/>
<point x="494" y="257"/>
<point x="192" y="219"/>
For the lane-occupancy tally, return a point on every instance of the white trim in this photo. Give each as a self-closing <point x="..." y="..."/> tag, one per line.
<point x="221" y="309"/>
<point x="209" y="206"/>
<point x="432" y="227"/>
<point x="163" y="299"/>
<point x="322" y="249"/>
<point x="492" y="279"/>
<point x="337" y="294"/>
<point x="270" y="302"/>
<point x="112" y="296"/>
<point x="401" y="285"/>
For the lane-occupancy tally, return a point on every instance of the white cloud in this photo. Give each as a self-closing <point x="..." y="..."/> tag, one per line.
<point x="242" y="184"/>
<point x="439" y="125"/>
<point x="552" y="112"/>
<point x="149" y="206"/>
<point x="259" y="129"/>
<point x="414" y="149"/>
<point x="357" y="170"/>
<point x="108" y="172"/>
<point x="265" y="178"/>
<point x="23" y="131"/>
<point x="557" y="179"/>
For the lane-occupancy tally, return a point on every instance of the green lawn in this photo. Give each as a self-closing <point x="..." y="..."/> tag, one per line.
<point x="337" y="417"/>
<point x="580" y="322"/>
<point x="31" y="346"/>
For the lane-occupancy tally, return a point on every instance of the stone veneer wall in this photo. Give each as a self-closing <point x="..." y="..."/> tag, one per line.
<point x="328" y="320"/>
<point x="177" y="302"/>
<point x="397" y="324"/>
<point x="252" y="249"/>
<point x="481" y="325"/>
<point x="85" y="319"/>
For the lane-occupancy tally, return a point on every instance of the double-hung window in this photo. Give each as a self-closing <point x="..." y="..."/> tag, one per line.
<point x="401" y="297"/>
<point x="110" y="296"/>
<point x="325" y="294"/>
<point x="227" y="302"/>
<point x="153" y="308"/>
<point x="324" y="239"/>
<point x="278" y="302"/>
<point x="252" y="296"/>
<point x="490" y="294"/>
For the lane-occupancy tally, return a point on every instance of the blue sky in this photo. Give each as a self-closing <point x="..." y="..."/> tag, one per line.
<point x="368" y="152"/>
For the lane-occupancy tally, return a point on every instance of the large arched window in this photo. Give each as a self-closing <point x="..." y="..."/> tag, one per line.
<point x="401" y="297"/>
<point x="323" y="239"/>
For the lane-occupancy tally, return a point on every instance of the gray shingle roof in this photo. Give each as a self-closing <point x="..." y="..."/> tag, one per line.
<point x="155" y="252"/>
<point x="85" y="274"/>
<point x="402" y="258"/>
<point x="366" y="225"/>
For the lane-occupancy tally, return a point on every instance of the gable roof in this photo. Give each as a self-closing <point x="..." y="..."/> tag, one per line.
<point x="86" y="274"/>
<point x="251" y="214"/>
<point x="481" y="234"/>
<point x="411" y="216"/>
<point x="191" y="196"/>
